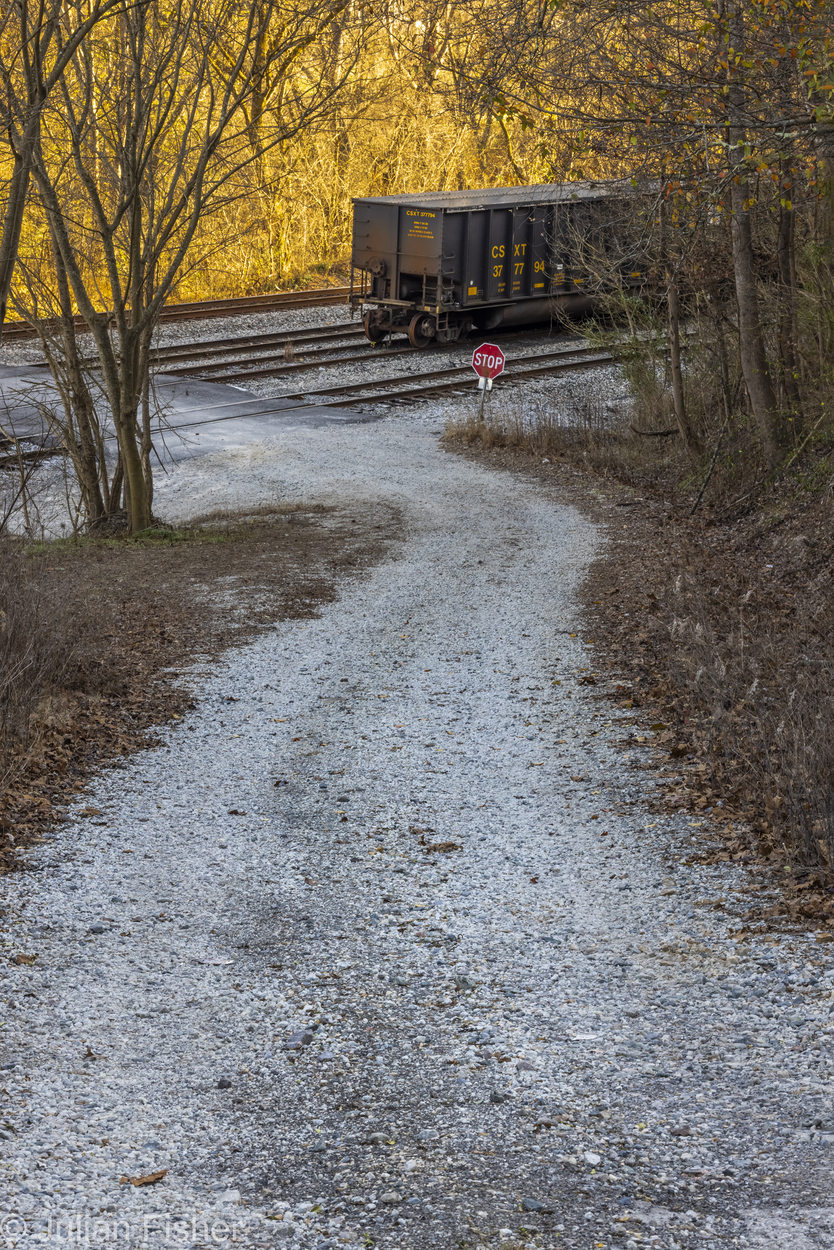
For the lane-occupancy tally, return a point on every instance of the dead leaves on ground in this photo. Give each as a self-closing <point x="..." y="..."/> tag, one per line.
<point x="433" y="848"/>
<point x="150" y="1179"/>
<point x="633" y="632"/>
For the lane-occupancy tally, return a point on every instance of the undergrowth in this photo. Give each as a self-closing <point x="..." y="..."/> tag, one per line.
<point x="741" y="642"/>
<point x="37" y="641"/>
<point x="755" y="673"/>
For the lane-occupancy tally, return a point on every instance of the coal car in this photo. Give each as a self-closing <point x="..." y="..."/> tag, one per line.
<point x="438" y="264"/>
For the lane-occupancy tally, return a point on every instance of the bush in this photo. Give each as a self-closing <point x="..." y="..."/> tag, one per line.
<point x="35" y="647"/>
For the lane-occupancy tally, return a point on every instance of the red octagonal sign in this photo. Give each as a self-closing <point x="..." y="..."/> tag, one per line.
<point x="488" y="360"/>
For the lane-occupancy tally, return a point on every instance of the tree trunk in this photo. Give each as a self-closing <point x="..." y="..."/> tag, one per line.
<point x="147" y="438"/>
<point x="12" y="226"/>
<point x="752" y="353"/>
<point x="690" y="438"/>
<point x="721" y="347"/>
<point x="83" y="415"/>
<point x="787" y="310"/>
<point x="136" y="493"/>
<point x="116" y="483"/>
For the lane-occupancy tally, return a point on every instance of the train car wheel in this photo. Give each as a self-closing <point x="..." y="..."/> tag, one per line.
<point x="374" y="332"/>
<point x="417" y="335"/>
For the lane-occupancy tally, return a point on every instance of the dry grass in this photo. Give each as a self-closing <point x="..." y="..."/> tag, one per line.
<point x="593" y="435"/>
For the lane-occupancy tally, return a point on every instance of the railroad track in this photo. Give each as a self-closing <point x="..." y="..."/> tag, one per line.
<point x="200" y="310"/>
<point x="385" y="390"/>
<point x="443" y="381"/>
<point x="280" y="354"/>
<point x="363" y="393"/>
<point x="438" y="382"/>
<point x="213" y="351"/>
<point x="312" y="350"/>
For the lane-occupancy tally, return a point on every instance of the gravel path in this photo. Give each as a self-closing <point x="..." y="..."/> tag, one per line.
<point x="255" y="973"/>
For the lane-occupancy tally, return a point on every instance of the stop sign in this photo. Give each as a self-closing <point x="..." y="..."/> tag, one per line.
<point x="488" y="360"/>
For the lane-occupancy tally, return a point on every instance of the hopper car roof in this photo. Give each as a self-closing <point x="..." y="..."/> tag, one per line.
<point x="503" y="197"/>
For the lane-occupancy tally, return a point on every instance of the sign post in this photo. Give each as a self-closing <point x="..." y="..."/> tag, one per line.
<point x="488" y="362"/>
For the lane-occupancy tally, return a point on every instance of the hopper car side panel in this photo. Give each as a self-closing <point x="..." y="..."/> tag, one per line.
<point x="443" y="263"/>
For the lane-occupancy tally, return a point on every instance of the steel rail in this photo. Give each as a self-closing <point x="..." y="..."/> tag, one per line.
<point x="227" y="347"/>
<point x="200" y="412"/>
<point x="320" y="358"/>
<point x="199" y="310"/>
<point x="450" y="379"/>
<point x="417" y="393"/>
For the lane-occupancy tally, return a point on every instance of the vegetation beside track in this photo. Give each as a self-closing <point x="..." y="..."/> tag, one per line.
<point x="718" y="628"/>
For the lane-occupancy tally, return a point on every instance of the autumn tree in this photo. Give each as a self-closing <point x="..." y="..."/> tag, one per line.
<point x="37" y="44"/>
<point x="724" y="104"/>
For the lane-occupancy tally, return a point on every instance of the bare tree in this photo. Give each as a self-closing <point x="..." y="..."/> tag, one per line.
<point x="147" y="136"/>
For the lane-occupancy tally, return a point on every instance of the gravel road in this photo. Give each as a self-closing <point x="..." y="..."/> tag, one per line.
<point x="384" y="945"/>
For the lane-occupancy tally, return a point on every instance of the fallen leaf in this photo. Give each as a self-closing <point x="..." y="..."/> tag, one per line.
<point x="233" y="811"/>
<point x="150" y="1179"/>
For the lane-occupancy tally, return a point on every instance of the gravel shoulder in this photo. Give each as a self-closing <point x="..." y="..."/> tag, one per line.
<point x="384" y="944"/>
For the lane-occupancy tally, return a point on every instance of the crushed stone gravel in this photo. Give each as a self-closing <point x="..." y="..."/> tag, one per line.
<point x="383" y="946"/>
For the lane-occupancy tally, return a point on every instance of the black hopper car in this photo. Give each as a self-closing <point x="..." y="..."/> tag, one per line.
<point x="439" y="264"/>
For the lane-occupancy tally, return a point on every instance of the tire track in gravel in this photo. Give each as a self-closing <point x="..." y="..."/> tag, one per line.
<point x="326" y="1033"/>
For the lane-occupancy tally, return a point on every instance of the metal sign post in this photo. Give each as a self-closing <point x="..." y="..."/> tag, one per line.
<point x="487" y="361"/>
